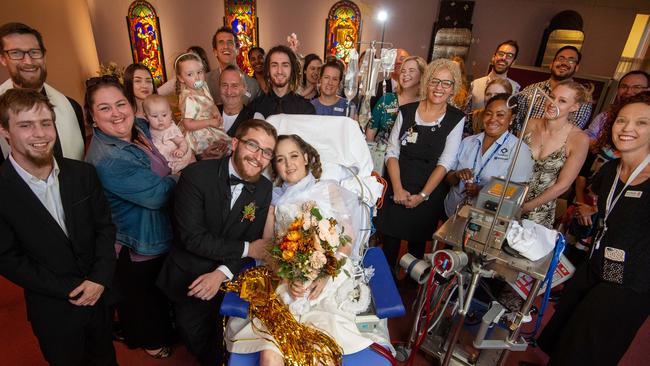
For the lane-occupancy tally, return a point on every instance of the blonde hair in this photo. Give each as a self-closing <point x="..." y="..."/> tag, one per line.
<point x="422" y="65"/>
<point x="583" y="91"/>
<point x="500" y="81"/>
<point x="433" y="68"/>
<point x="188" y="56"/>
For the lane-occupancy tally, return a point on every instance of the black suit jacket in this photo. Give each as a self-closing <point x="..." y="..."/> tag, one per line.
<point x="244" y="115"/>
<point x="208" y="233"/>
<point x="35" y="252"/>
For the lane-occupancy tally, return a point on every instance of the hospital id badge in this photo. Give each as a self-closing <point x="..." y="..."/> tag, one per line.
<point x="613" y="265"/>
<point x="411" y="137"/>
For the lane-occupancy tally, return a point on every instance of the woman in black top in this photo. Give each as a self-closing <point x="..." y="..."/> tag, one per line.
<point x="608" y="299"/>
<point x="422" y="147"/>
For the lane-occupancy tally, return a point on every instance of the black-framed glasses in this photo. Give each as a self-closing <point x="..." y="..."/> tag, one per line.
<point x="569" y="60"/>
<point x="101" y="79"/>
<point x="16" y="54"/>
<point x="254" y="148"/>
<point x="446" y="84"/>
<point x="506" y="55"/>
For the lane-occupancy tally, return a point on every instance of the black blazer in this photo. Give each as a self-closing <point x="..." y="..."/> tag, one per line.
<point x="244" y="115"/>
<point x="208" y="233"/>
<point x="35" y="252"/>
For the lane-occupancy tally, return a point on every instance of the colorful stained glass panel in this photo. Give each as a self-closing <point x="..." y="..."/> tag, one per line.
<point x="146" y="42"/>
<point x="241" y="16"/>
<point x="342" y="30"/>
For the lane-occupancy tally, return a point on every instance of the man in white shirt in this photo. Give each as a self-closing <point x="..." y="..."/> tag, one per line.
<point x="504" y="57"/>
<point x="23" y="55"/>
<point x="57" y="236"/>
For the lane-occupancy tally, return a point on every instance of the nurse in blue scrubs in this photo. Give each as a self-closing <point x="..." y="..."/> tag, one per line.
<point x="486" y="155"/>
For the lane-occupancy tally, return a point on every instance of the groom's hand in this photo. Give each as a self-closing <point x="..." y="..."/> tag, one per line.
<point x="207" y="285"/>
<point x="258" y="249"/>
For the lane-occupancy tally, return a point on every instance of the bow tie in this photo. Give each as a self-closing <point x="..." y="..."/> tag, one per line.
<point x="234" y="180"/>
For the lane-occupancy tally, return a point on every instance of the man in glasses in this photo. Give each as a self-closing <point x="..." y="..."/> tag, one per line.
<point x="504" y="56"/>
<point x="23" y="55"/>
<point x="631" y="84"/>
<point x="564" y="65"/>
<point x="220" y="210"/>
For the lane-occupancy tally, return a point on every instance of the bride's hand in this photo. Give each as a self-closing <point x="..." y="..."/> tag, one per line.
<point x="317" y="287"/>
<point x="297" y="289"/>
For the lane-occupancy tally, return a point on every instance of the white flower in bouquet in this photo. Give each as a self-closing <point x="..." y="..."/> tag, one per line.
<point x="317" y="259"/>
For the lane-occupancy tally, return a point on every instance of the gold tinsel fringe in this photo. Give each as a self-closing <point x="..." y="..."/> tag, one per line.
<point x="300" y="344"/>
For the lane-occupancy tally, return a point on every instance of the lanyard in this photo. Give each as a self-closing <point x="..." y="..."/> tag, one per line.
<point x="611" y="200"/>
<point x="477" y="176"/>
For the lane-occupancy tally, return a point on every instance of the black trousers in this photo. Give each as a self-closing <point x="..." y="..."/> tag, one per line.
<point x="391" y="246"/>
<point x="83" y="340"/>
<point x="594" y="322"/>
<point x="144" y="311"/>
<point x="200" y="326"/>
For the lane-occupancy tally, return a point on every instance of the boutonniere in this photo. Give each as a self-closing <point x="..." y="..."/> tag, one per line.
<point x="249" y="212"/>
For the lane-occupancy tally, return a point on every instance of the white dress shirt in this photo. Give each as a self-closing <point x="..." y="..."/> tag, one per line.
<point x="47" y="191"/>
<point x="235" y="191"/>
<point x="447" y="158"/>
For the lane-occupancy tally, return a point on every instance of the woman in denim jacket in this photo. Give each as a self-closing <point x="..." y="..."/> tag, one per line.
<point x="136" y="181"/>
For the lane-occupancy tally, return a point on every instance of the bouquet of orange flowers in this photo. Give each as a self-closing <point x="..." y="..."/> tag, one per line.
<point x="305" y="251"/>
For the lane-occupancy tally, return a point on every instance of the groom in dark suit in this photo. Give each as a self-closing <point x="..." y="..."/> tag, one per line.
<point x="220" y="210"/>
<point x="56" y="236"/>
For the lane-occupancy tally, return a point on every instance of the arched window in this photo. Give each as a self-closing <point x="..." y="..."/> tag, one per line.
<point x="342" y="30"/>
<point x="241" y="16"/>
<point x="146" y="43"/>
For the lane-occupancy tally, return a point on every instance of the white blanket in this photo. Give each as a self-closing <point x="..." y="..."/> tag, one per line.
<point x="342" y="148"/>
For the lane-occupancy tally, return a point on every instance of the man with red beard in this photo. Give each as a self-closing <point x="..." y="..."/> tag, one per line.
<point x="220" y="210"/>
<point x="281" y="68"/>
<point x="23" y="55"/>
<point x="504" y="56"/>
<point x="565" y="63"/>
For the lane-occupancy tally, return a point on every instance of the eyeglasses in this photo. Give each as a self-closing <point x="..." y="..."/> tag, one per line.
<point x="446" y="84"/>
<point x="108" y="79"/>
<point x="633" y="88"/>
<point x="254" y="148"/>
<point x="506" y="55"/>
<point x="35" y="53"/>
<point x="569" y="60"/>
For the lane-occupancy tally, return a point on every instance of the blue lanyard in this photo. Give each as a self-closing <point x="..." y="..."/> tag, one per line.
<point x="477" y="176"/>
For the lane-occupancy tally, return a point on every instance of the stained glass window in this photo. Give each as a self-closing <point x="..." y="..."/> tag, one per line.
<point x="146" y="43"/>
<point x="241" y="16"/>
<point x="342" y="30"/>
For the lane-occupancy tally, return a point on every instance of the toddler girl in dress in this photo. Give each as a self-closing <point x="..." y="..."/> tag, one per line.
<point x="166" y="136"/>
<point x="201" y="120"/>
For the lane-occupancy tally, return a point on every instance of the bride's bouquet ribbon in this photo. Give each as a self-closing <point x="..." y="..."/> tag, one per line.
<point x="300" y="344"/>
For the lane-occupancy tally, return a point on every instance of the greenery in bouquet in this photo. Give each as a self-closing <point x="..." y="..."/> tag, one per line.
<point x="305" y="250"/>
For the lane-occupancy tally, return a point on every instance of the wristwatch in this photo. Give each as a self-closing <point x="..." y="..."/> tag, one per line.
<point x="424" y="196"/>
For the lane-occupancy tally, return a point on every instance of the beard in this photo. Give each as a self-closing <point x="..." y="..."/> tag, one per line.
<point x="24" y="83"/>
<point x="239" y="160"/>
<point x="279" y="85"/>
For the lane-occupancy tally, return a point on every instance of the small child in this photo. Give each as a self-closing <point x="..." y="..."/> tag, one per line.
<point x="202" y="123"/>
<point x="166" y="136"/>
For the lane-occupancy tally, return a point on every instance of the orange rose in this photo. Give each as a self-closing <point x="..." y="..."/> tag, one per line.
<point x="293" y="235"/>
<point x="292" y="246"/>
<point x="287" y="255"/>
<point x="297" y="224"/>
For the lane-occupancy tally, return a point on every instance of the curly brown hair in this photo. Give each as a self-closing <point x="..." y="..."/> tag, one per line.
<point x="313" y="158"/>
<point x="605" y="136"/>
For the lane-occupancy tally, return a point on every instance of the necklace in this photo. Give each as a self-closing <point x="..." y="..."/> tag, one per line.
<point x="541" y="139"/>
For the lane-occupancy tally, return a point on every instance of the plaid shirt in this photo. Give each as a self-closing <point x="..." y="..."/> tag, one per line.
<point x="580" y="117"/>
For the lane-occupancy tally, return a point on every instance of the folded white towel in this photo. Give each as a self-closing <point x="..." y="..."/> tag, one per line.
<point x="530" y="239"/>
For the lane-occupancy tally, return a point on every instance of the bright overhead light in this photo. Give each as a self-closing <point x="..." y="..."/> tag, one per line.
<point x="382" y="16"/>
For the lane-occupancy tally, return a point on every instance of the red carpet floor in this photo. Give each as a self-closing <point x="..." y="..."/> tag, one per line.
<point x="18" y="346"/>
